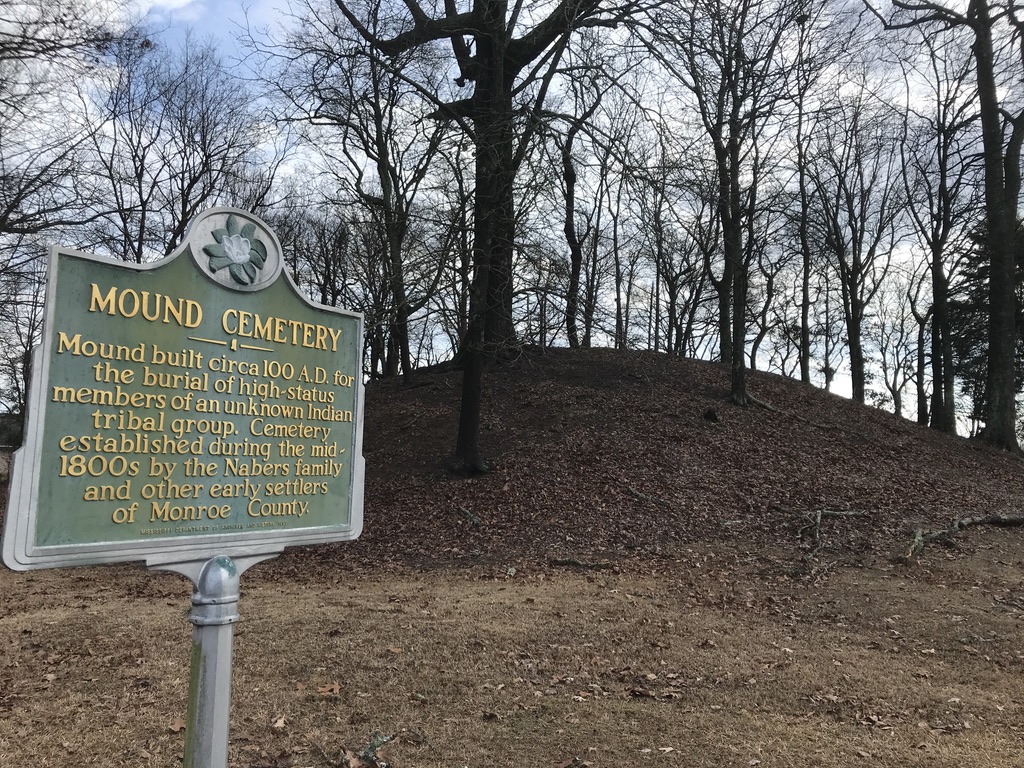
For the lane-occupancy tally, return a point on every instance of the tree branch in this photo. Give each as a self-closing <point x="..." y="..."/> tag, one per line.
<point x="923" y="538"/>
<point x="569" y="15"/>
<point x="424" y="29"/>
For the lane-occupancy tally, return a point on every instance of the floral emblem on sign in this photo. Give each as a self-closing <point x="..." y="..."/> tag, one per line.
<point x="239" y="250"/>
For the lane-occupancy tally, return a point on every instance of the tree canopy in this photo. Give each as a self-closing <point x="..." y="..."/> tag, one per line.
<point x="788" y="186"/>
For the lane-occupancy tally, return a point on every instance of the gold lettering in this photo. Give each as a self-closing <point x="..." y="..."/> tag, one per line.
<point x="253" y="468"/>
<point x="175" y="311"/>
<point x="280" y="330"/>
<point x="171" y="514"/>
<point x="263" y="428"/>
<point x="259" y="508"/>
<point x="262" y="330"/>
<point x="165" y="489"/>
<point x="73" y="345"/>
<point x="98" y="303"/>
<point x="108" y="492"/>
<point x="154" y="307"/>
<point x="150" y="315"/>
<point x="117" y="397"/>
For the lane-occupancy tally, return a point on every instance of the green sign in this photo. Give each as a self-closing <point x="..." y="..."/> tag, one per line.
<point x="193" y="407"/>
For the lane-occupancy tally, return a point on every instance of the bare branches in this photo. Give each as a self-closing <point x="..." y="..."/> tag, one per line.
<point x="174" y="134"/>
<point x="46" y="49"/>
<point x="567" y="17"/>
<point x="37" y="30"/>
<point x="424" y="28"/>
<point x="463" y="55"/>
<point x="926" y="12"/>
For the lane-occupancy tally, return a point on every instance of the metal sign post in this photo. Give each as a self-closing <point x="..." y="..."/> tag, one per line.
<point x="215" y="592"/>
<point x="214" y="613"/>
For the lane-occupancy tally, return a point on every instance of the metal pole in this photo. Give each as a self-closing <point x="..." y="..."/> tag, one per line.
<point x="214" y="612"/>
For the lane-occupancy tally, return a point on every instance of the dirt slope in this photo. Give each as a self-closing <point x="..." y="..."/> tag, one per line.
<point x="600" y="454"/>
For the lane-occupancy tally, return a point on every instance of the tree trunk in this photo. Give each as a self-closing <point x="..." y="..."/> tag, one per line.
<point x="858" y="370"/>
<point x="496" y="211"/>
<point x="621" y="309"/>
<point x="723" y="290"/>
<point x="803" y="222"/>
<point x="919" y="377"/>
<point x="805" y="307"/>
<point x="472" y="351"/>
<point x="943" y="410"/>
<point x="572" y="294"/>
<point x="468" y="457"/>
<point x="738" y="391"/>
<point x="1000" y="210"/>
<point x="733" y="323"/>
<point x="490" y="308"/>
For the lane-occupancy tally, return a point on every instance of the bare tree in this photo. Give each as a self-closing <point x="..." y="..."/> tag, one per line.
<point x="941" y="173"/>
<point x="46" y="48"/>
<point x="575" y="234"/>
<point x="453" y="217"/>
<point x="894" y="331"/>
<point x="996" y="44"/>
<point x="507" y="55"/>
<point x="860" y="206"/>
<point x="770" y="261"/>
<point x="825" y="29"/>
<point x="361" y="117"/>
<point x="178" y="134"/>
<point x="729" y="58"/>
<point x="658" y="163"/>
<point x="20" y="322"/>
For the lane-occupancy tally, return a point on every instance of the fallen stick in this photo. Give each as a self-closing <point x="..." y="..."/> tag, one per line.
<point x="473" y="519"/>
<point x="923" y="538"/>
<point x="814" y="526"/>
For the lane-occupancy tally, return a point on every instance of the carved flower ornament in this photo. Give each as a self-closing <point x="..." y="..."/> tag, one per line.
<point x="239" y="250"/>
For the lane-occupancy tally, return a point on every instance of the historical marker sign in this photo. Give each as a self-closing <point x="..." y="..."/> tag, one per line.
<point x="194" y="407"/>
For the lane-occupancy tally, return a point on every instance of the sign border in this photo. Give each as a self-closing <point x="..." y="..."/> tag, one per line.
<point x="20" y="552"/>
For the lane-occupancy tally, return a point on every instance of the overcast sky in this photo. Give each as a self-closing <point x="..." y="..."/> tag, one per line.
<point x="208" y="18"/>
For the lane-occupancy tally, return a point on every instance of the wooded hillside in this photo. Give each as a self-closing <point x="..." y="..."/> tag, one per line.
<point x="600" y="455"/>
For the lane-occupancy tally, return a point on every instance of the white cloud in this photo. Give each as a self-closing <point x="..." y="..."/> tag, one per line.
<point x="208" y="17"/>
<point x="183" y="12"/>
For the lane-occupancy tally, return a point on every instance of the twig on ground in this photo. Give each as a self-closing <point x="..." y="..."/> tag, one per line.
<point x="797" y="416"/>
<point x="474" y="520"/>
<point x="923" y="538"/>
<point x="814" y="527"/>
<point x="367" y="758"/>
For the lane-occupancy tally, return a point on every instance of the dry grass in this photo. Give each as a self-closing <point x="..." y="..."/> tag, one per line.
<point x="704" y="662"/>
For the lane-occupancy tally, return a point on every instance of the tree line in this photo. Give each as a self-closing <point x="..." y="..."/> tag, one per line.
<point x="826" y="189"/>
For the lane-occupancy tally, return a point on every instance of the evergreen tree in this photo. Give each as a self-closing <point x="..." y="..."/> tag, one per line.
<point x="969" y="318"/>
